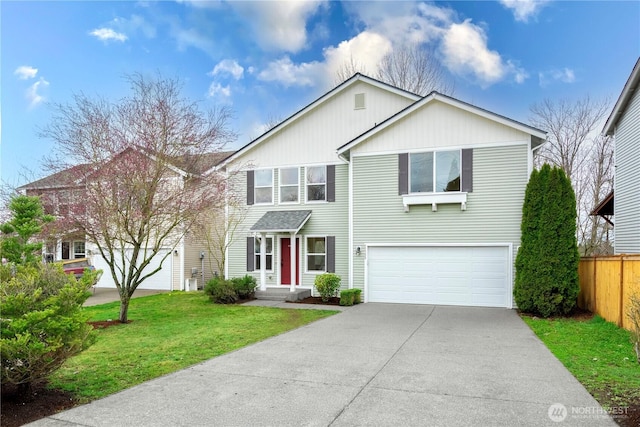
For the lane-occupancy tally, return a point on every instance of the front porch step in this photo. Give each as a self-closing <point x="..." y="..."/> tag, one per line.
<point x="283" y="294"/>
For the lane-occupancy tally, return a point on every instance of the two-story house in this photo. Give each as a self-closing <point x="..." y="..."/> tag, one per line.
<point x="186" y="264"/>
<point x="412" y="199"/>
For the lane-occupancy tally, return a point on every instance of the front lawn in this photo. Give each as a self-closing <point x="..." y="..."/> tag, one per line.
<point x="597" y="353"/>
<point x="167" y="332"/>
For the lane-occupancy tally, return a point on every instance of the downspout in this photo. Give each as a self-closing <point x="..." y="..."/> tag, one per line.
<point x="350" y="219"/>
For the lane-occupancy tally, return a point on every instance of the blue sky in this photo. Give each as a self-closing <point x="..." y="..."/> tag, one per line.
<point x="267" y="59"/>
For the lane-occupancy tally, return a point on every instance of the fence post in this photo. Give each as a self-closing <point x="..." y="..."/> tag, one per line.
<point x="621" y="302"/>
<point x="594" y="296"/>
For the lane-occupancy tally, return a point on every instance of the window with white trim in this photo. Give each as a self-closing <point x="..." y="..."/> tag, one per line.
<point x="268" y="253"/>
<point x="263" y="186"/>
<point x="316" y="182"/>
<point x="289" y="179"/>
<point x="434" y="172"/>
<point x="316" y="254"/>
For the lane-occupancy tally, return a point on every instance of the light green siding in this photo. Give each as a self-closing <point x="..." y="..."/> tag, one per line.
<point x="493" y="211"/>
<point x="327" y="219"/>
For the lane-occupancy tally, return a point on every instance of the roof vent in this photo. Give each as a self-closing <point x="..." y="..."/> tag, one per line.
<point x="359" y="101"/>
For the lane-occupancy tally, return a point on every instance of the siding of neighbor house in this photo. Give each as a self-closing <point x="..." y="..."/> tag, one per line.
<point x="627" y="180"/>
<point x="327" y="219"/>
<point x="193" y="245"/>
<point x="493" y="213"/>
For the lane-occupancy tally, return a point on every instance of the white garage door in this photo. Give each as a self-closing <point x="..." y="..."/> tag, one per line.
<point x="161" y="280"/>
<point x="446" y="275"/>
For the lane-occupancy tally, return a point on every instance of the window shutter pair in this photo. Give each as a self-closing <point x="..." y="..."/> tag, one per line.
<point x="466" y="171"/>
<point x="331" y="185"/>
<point x="330" y="254"/>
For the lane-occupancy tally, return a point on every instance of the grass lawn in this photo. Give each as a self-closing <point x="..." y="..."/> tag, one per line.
<point x="168" y="332"/>
<point x="597" y="353"/>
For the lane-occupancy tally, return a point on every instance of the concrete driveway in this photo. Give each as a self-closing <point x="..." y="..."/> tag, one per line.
<point x="374" y="364"/>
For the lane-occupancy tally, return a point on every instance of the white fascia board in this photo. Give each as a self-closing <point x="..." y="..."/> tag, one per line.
<point x="630" y="87"/>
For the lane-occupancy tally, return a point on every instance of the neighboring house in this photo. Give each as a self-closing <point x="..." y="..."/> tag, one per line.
<point x="413" y="200"/>
<point x="624" y="124"/>
<point x="190" y="259"/>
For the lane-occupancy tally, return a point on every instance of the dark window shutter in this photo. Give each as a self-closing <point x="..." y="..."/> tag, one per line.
<point x="467" y="170"/>
<point x="251" y="252"/>
<point x="250" y="188"/>
<point x="403" y="173"/>
<point x="331" y="183"/>
<point x="331" y="254"/>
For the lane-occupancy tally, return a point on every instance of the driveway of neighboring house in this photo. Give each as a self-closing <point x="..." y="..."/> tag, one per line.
<point x="373" y="364"/>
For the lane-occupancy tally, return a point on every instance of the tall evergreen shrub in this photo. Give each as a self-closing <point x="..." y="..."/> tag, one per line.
<point x="547" y="261"/>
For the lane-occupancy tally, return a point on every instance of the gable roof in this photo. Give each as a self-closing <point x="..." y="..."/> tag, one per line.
<point x="305" y="110"/>
<point x="65" y="178"/>
<point x="538" y="134"/>
<point x="627" y="93"/>
<point x="73" y="176"/>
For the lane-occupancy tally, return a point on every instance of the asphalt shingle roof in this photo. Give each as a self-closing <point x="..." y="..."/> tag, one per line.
<point x="281" y="221"/>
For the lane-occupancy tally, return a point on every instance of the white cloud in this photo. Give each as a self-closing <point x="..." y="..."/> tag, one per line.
<point x="466" y="52"/>
<point x="279" y="26"/>
<point x="25" y="72"/>
<point x="524" y="9"/>
<point x="564" y="75"/>
<point x="107" y="34"/>
<point x="286" y="72"/>
<point x="366" y="49"/>
<point x="135" y="23"/>
<point x="33" y="93"/>
<point x="229" y="66"/>
<point x="217" y="89"/>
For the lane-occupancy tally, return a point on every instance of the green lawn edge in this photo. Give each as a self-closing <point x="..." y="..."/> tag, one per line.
<point x="168" y="332"/>
<point x="598" y="353"/>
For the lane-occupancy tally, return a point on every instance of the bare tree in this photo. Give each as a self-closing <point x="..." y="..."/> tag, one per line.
<point x="347" y="69"/>
<point x="574" y="145"/>
<point x="570" y="126"/>
<point x="596" y="182"/>
<point x="217" y="228"/>
<point x="414" y="68"/>
<point x="134" y="202"/>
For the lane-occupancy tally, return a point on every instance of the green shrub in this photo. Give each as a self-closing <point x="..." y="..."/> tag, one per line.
<point x="546" y="281"/>
<point x="221" y="291"/>
<point x="327" y="284"/>
<point x="356" y="295"/>
<point x="347" y="297"/>
<point x="42" y="322"/>
<point x="245" y="287"/>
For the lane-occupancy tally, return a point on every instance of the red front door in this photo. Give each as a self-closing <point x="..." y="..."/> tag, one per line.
<point x="285" y="261"/>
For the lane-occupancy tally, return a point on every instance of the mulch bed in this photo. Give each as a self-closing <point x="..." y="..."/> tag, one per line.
<point x="318" y="300"/>
<point x="39" y="402"/>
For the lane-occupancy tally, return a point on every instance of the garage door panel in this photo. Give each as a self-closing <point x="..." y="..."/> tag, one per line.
<point x="159" y="281"/>
<point x="449" y="275"/>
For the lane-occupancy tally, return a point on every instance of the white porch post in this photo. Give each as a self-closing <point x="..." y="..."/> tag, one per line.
<point x="263" y="262"/>
<point x="293" y="263"/>
<point x="58" y="255"/>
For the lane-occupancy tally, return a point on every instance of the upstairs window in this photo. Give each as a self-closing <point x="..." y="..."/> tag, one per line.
<point x="289" y="185"/>
<point x="316" y="183"/>
<point x="434" y="172"/>
<point x="263" y="186"/>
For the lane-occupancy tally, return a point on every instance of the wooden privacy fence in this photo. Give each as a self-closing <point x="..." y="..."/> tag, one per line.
<point x="606" y="286"/>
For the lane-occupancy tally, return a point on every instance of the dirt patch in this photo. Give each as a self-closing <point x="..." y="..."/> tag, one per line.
<point x="102" y="324"/>
<point x="576" y="314"/>
<point x="630" y="416"/>
<point x="318" y="300"/>
<point x="19" y="408"/>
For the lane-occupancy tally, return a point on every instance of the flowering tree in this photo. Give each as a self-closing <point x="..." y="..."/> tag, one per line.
<point x="147" y="176"/>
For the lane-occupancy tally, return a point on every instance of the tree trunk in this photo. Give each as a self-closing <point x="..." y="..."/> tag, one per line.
<point x="124" y="307"/>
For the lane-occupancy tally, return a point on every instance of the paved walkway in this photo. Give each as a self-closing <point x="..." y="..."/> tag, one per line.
<point x="105" y="295"/>
<point x="372" y="364"/>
